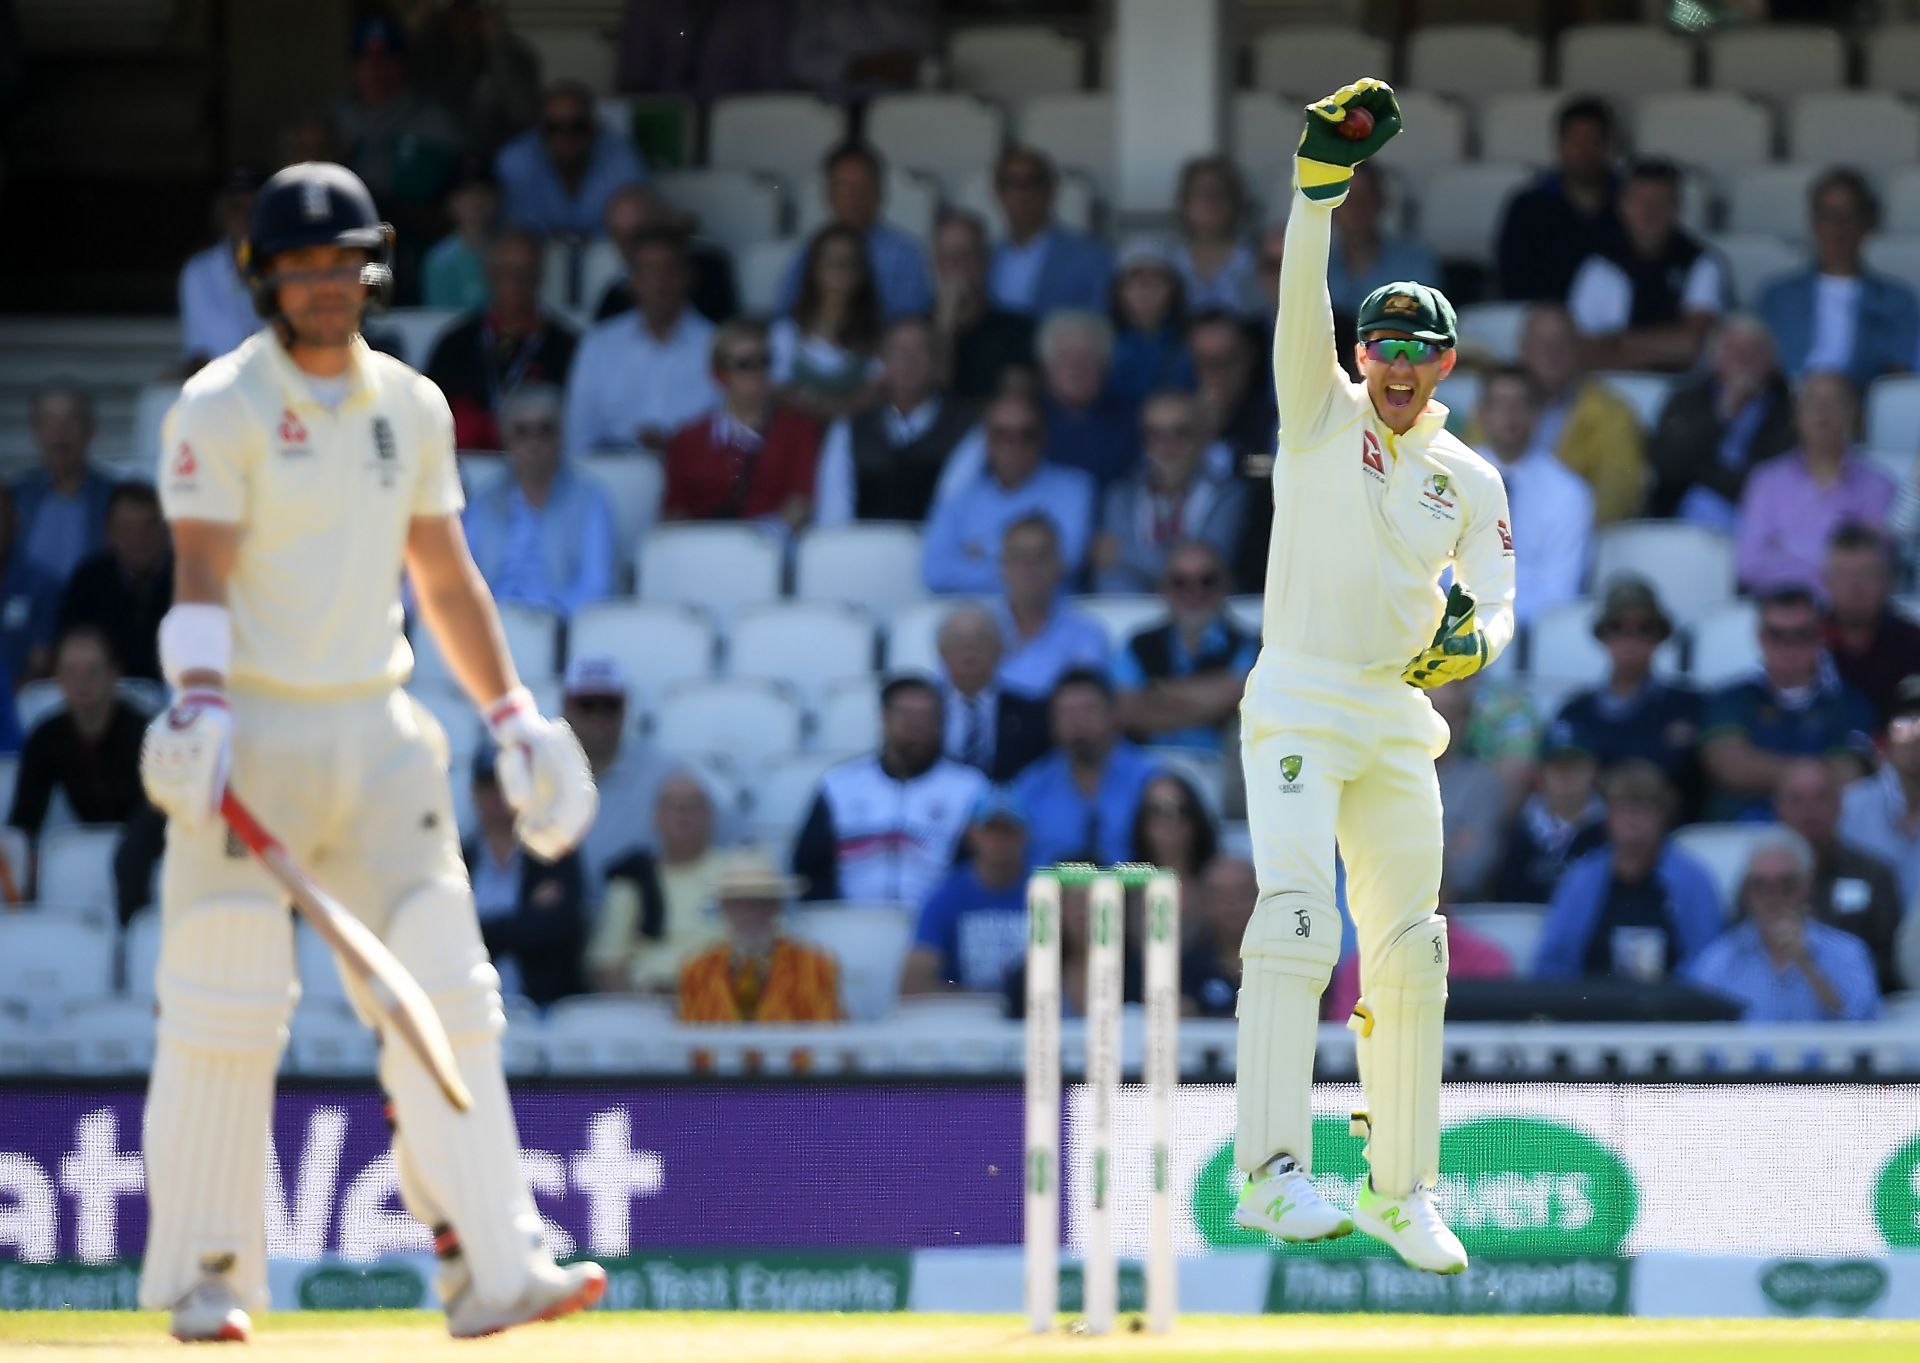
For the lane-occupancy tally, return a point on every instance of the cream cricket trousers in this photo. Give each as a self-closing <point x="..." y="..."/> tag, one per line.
<point x="1334" y="755"/>
<point x="357" y="790"/>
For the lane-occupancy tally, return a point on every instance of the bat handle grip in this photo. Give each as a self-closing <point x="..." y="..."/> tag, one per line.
<point x="245" y="827"/>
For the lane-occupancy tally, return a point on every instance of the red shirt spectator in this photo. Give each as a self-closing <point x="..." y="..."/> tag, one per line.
<point x="749" y="457"/>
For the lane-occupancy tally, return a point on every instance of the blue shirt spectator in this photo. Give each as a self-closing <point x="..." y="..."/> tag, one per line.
<point x="556" y="178"/>
<point x="1081" y="799"/>
<point x="60" y="508"/>
<point x="855" y="178"/>
<point x="1033" y="663"/>
<point x="1167" y="672"/>
<point x="973" y="926"/>
<point x="1876" y="812"/>
<point x="1757" y="717"/>
<point x="1088" y="427"/>
<point x="1041" y="266"/>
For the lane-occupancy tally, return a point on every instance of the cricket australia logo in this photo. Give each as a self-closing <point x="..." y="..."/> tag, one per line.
<point x="1290" y="766"/>
<point x="1437" y="496"/>
<point x="385" y="458"/>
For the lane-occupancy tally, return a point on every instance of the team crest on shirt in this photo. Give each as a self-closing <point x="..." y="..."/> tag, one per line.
<point x="1370" y="457"/>
<point x="386" y="461"/>
<point x="1290" y="767"/>
<point x="1436" y="494"/>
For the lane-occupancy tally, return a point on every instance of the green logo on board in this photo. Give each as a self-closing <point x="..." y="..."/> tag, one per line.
<point x="1846" y="1286"/>
<point x="1896" y="1198"/>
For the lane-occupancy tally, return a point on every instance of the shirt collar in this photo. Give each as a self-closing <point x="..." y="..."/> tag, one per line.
<point x="292" y="380"/>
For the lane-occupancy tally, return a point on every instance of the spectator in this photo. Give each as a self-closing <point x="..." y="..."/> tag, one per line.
<point x="1881" y="813"/>
<point x="1837" y="315"/>
<point x="1559" y="823"/>
<point x="1081" y="799"/>
<point x="973" y="927"/>
<point x="757" y="973"/>
<point x="1173" y="498"/>
<point x="1180" y="682"/>
<point x="1636" y="714"/>
<point x="1778" y="963"/>
<point x="532" y="912"/>
<point x="1363" y="257"/>
<point x="595" y="701"/>
<point x="1088" y="427"/>
<point x="856" y="179"/>
<point x="1043" y="638"/>
<point x="1472" y="796"/>
<point x="123" y="590"/>
<point x="824" y="352"/>
<point x="988" y="727"/>
<point x="477" y="68"/>
<point x="454" y="273"/>
<point x="556" y="177"/>
<point x="658" y="908"/>
<point x="1041" y="266"/>
<point x="753" y="457"/>
<point x="850" y="49"/>
<point x="1638" y="908"/>
<point x="1589" y="427"/>
<point x="1567" y="214"/>
<point x="1215" y="263"/>
<point x="1648" y="300"/>
<point x="1873" y="649"/>
<point x="972" y="512"/>
<point x="1852" y="890"/>
<point x="216" y="306"/>
<point x="400" y="142"/>
<point x="1228" y="893"/>
<point x="979" y="342"/>
<point x="543" y="535"/>
<point x="1717" y="428"/>
<point x="1074" y="941"/>
<point x="510" y="342"/>
<point x="29" y="616"/>
<point x="639" y="376"/>
<point x="1470" y="956"/>
<point x="885" y="827"/>
<point x="1794" y="503"/>
<point x="60" y="508"/>
<point x="1793" y="707"/>
<point x="1237" y="410"/>
<point x="634" y="209"/>
<point x="885" y="463"/>
<point x="1173" y="831"/>
<point x="1552" y="507"/>
<point x="89" y="749"/>
<point x="1148" y="313"/>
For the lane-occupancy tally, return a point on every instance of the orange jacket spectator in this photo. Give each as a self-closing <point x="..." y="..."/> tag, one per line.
<point x="796" y="984"/>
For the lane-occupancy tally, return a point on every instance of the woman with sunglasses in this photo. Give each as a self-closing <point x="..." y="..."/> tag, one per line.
<point x="1373" y="501"/>
<point x="826" y="354"/>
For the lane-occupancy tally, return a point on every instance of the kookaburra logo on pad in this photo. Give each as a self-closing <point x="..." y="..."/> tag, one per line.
<point x="1402" y="304"/>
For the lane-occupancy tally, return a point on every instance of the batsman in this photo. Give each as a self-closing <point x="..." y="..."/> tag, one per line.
<point x="302" y="473"/>
<point x="1373" y="503"/>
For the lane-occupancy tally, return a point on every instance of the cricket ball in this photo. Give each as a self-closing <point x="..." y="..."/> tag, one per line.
<point x="1356" y="125"/>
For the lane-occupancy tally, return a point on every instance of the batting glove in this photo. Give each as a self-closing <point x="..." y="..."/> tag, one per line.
<point x="1458" y="650"/>
<point x="186" y="754"/>
<point x="544" y="776"/>
<point x="1324" y="163"/>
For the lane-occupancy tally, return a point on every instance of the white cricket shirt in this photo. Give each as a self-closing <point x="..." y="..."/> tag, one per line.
<point x="323" y="497"/>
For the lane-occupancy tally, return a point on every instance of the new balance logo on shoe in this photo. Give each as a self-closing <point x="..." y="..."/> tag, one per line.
<point x="1280" y="1206"/>
<point x="1395" y="1221"/>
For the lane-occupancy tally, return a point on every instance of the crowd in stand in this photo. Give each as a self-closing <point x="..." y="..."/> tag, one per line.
<point x="1062" y="416"/>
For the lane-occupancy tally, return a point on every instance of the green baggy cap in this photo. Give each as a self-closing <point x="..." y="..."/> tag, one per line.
<point x="1420" y="310"/>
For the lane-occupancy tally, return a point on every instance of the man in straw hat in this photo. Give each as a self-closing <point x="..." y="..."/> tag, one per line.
<point x="758" y="974"/>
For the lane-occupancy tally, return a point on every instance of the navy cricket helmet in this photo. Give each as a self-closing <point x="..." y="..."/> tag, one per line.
<point x="316" y="203"/>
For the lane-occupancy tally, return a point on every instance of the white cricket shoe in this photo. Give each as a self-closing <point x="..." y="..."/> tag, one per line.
<point x="211" y="1314"/>
<point x="551" y="1292"/>
<point x="1411" y="1228"/>
<point x="1281" y="1201"/>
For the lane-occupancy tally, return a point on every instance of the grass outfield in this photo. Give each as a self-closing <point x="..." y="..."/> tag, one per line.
<point x="417" y="1337"/>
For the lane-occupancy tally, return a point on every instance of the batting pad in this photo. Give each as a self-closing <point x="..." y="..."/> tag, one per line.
<point x="463" y="1167"/>
<point x="1397" y="1025"/>
<point x="225" y="989"/>
<point x="1286" y="958"/>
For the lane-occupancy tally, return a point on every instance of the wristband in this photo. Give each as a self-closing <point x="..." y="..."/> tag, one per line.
<point x="516" y="704"/>
<point x="195" y="637"/>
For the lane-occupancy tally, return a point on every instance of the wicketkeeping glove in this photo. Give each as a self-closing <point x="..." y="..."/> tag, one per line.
<point x="1458" y="649"/>
<point x="1326" y="158"/>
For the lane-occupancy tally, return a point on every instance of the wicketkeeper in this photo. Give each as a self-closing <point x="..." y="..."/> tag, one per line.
<point x="302" y="472"/>
<point x="1373" y="502"/>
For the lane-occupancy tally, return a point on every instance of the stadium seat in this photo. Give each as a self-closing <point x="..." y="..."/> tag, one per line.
<point x="733" y="207"/>
<point x="1772" y="200"/>
<point x="1514" y="928"/>
<point x="1013" y="61"/>
<point x="1896" y="462"/>
<point x="807" y="644"/>
<point x="873" y="564"/>
<point x="419" y="330"/>
<point x="1474" y="60"/>
<point x="1896" y="254"/>
<point x="1248" y="612"/>
<point x="633" y="485"/>
<point x="533" y="638"/>
<point x="1073" y="199"/>
<point x="1900" y="200"/>
<point x="1492" y="330"/>
<point x="326" y="1039"/>
<point x="601" y="262"/>
<point x="1646" y="393"/>
<point x="76" y="866"/>
<point x="1725" y="645"/>
<point x="107" y="1036"/>
<point x="1717" y="131"/>
<point x="869" y="942"/>
<point x="760" y="270"/>
<point x="1723" y="848"/>
<point x="23" y="1048"/>
<point x="1692" y="567"/>
<point x="912" y="634"/>
<point x="35" y="701"/>
<point x="848" y="719"/>
<point x="1755" y="262"/>
<point x="657" y="643"/>
<point x="1460" y="395"/>
<point x="480" y="472"/>
<point x="1076" y="131"/>
<point x="1772" y="60"/>
<point x="1560" y="643"/>
<point x="785" y="136"/>
<point x="1434" y="139"/>
<point x="150" y="410"/>
<point x="1299" y="59"/>
<point x="1121" y="614"/>
<point x="1520" y="127"/>
<point x="1867" y="128"/>
<point x="717" y="566"/>
<point x="783" y="793"/>
<point x="1893" y="58"/>
<point x="140" y="953"/>
<point x="1461" y="208"/>
<point x="946" y="136"/>
<point x="742" y="721"/>
<point x="912" y="203"/>
<point x="48" y="961"/>
<point x="1266" y="131"/>
<point x="1625" y="59"/>
<point x="609" y="1035"/>
<point x="581" y="54"/>
<point x="574" y="275"/>
<point x="1893" y="410"/>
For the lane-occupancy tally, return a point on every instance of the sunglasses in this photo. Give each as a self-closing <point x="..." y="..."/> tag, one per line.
<point x="1193" y="582"/>
<point x="751" y="362"/>
<point x="1634" y="629"/>
<point x="1387" y="349"/>
<point x="1776" y="634"/>
<point x="569" y="127"/>
<point x="1166" y="809"/>
<point x="596" y="705"/>
<point x="1026" y="435"/>
<point x="1029" y="180"/>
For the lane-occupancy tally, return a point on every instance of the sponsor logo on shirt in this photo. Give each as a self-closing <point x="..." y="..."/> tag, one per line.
<point x="1506" y="536"/>
<point x="1370" y="456"/>
<point x="293" y="435"/>
<point x="184" y="465"/>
